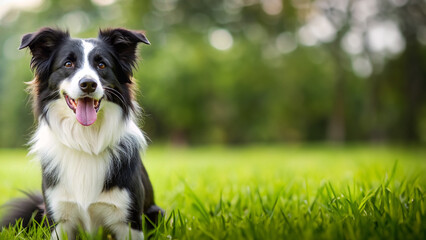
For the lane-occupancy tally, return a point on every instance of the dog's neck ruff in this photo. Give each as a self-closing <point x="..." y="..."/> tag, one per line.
<point x="59" y="129"/>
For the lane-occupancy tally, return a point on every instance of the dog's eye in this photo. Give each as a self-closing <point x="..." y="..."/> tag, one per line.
<point x="68" y="64"/>
<point x="101" y="65"/>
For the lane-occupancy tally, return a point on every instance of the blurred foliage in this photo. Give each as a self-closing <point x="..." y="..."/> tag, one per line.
<point x="292" y="70"/>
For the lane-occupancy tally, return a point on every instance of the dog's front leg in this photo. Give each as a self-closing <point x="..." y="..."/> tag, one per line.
<point x="114" y="219"/>
<point x="111" y="211"/>
<point x="68" y="216"/>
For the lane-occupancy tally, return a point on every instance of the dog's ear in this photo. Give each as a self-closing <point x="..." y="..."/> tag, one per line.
<point x="124" y="43"/>
<point x="42" y="43"/>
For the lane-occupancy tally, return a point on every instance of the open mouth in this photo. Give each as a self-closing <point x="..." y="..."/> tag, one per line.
<point x="85" y="109"/>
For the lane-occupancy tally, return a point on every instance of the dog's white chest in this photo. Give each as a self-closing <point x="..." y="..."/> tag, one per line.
<point x="81" y="178"/>
<point x="78" y="197"/>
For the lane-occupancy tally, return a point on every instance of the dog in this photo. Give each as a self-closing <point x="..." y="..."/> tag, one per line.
<point x="87" y="139"/>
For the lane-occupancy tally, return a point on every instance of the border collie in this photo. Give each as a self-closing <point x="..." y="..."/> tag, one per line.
<point x="87" y="138"/>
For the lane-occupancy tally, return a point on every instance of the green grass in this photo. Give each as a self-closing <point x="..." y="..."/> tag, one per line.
<point x="269" y="192"/>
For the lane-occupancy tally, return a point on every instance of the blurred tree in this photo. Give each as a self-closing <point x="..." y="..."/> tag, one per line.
<point x="241" y="71"/>
<point x="338" y="14"/>
<point x="412" y="18"/>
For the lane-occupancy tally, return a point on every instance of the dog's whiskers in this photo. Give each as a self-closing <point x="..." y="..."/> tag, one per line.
<point x="115" y="93"/>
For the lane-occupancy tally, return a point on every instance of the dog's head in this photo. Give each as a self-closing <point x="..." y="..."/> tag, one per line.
<point x="82" y="75"/>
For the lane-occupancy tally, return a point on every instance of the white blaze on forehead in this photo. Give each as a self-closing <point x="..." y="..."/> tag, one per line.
<point x="87" y="48"/>
<point x="85" y="70"/>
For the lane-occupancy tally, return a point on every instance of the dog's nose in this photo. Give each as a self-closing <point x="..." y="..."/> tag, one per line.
<point x="88" y="85"/>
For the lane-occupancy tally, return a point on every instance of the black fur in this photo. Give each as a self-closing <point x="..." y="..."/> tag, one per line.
<point x="124" y="45"/>
<point x="50" y="49"/>
<point x="129" y="173"/>
<point x="27" y="209"/>
<point x="50" y="179"/>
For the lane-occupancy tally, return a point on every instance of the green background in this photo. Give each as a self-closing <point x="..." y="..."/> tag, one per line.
<point x="241" y="100"/>
<point x="341" y="71"/>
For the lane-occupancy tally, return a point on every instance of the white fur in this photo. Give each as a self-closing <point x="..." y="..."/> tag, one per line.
<point x="72" y="86"/>
<point x="82" y="156"/>
<point x="62" y="126"/>
<point x="113" y="203"/>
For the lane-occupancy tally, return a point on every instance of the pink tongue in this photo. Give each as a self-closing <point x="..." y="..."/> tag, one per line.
<point x="86" y="113"/>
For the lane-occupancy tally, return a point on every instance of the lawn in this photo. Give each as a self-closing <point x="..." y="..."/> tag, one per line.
<point x="269" y="192"/>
